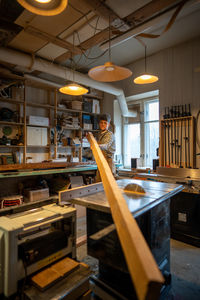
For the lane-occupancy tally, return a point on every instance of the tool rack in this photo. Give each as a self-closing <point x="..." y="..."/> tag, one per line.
<point x="177" y="142"/>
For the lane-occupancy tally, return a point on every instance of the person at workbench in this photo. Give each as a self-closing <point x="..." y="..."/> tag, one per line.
<point x="106" y="141"/>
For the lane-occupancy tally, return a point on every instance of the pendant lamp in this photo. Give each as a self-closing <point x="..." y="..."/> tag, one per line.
<point x="44" y="7"/>
<point x="73" y="88"/>
<point x="109" y="72"/>
<point x="145" y="78"/>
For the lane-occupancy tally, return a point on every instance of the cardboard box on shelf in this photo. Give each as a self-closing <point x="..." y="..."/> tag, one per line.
<point x="87" y="126"/>
<point x="95" y="106"/>
<point x="34" y="195"/>
<point x="36" y="136"/>
<point x="37" y="120"/>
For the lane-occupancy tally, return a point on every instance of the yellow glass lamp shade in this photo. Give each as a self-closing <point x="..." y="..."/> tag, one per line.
<point x="73" y="89"/>
<point x="109" y="72"/>
<point x="44" y="7"/>
<point x="145" y="79"/>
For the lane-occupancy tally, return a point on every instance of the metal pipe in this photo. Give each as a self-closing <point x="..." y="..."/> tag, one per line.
<point x="42" y="65"/>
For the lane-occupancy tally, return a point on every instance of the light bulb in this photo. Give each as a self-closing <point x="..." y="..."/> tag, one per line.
<point x="73" y="87"/>
<point x="145" y="77"/>
<point x="109" y="69"/>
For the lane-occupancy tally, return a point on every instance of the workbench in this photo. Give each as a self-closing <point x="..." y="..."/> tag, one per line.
<point x="151" y="211"/>
<point x="185" y="207"/>
<point x="23" y="173"/>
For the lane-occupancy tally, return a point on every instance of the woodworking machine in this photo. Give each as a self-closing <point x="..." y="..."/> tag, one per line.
<point x="33" y="239"/>
<point x="151" y="211"/>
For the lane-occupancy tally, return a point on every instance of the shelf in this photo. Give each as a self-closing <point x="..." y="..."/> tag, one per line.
<point x="11" y="100"/>
<point x="68" y="109"/>
<point x="34" y="146"/>
<point x="11" y="146"/>
<point x="11" y="123"/>
<point x="88" y="113"/>
<point x="38" y="126"/>
<point x="69" y="146"/>
<point x="92" y="96"/>
<point x="95" y="130"/>
<point x="69" y="128"/>
<point x="38" y="105"/>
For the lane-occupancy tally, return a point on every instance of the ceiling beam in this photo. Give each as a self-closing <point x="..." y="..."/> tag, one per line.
<point x="91" y="42"/>
<point x="149" y="10"/>
<point x="102" y="9"/>
<point x="52" y="39"/>
<point x="138" y="17"/>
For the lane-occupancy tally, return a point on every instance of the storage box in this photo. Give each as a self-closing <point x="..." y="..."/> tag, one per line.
<point x="86" y="119"/>
<point x="34" y="195"/>
<point x="87" y="105"/>
<point x="36" y="120"/>
<point x="37" y="136"/>
<point x="87" y="126"/>
<point x="95" y="106"/>
<point x="76" y="105"/>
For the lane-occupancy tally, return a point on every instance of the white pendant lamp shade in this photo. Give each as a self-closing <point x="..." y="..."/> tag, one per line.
<point x="109" y="72"/>
<point x="44" y="7"/>
<point x="73" y="89"/>
<point x="145" y="78"/>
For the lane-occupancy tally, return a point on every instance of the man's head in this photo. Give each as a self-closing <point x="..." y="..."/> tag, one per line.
<point x="104" y="121"/>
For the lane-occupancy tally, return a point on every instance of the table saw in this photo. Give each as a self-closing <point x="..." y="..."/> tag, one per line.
<point x="151" y="211"/>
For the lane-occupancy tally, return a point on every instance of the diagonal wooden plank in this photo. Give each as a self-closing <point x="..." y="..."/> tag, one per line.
<point x="94" y="40"/>
<point x="143" y="269"/>
<point x="149" y="10"/>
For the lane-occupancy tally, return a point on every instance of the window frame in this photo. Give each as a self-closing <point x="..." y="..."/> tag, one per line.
<point x="143" y="133"/>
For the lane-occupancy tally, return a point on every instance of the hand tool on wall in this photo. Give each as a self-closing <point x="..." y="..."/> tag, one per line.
<point x="185" y="137"/>
<point x="171" y="112"/>
<point x="189" y="110"/>
<point x="174" y="141"/>
<point x="188" y="141"/>
<point x="181" y="147"/>
<point x="177" y="141"/>
<point x="143" y="269"/>
<point x="168" y="112"/>
<point x="168" y="142"/>
<point x="172" y="144"/>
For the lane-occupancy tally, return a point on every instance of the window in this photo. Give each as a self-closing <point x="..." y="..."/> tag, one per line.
<point x="151" y="131"/>
<point x="141" y="136"/>
<point x="132" y="142"/>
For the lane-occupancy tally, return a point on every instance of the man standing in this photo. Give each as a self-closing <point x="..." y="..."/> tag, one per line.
<point x="106" y="141"/>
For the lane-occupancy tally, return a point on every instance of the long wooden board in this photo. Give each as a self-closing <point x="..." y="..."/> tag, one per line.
<point x="35" y="166"/>
<point x="145" y="274"/>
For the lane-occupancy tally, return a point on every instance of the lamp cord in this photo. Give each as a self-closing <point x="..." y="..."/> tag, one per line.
<point x="145" y="59"/>
<point x="109" y="37"/>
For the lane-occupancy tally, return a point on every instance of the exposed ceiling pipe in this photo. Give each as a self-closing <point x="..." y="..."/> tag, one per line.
<point x="27" y="61"/>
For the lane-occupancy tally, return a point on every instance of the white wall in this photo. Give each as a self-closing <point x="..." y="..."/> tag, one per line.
<point x="178" y="83"/>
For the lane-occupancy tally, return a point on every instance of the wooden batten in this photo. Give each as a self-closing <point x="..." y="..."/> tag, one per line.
<point x="143" y="269"/>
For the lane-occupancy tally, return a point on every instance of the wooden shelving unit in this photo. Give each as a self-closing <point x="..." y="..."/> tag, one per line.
<point x="52" y="108"/>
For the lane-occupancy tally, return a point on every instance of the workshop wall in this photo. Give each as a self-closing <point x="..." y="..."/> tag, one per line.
<point x="178" y="82"/>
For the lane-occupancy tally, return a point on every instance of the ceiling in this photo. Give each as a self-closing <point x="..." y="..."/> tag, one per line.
<point x="83" y="27"/>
